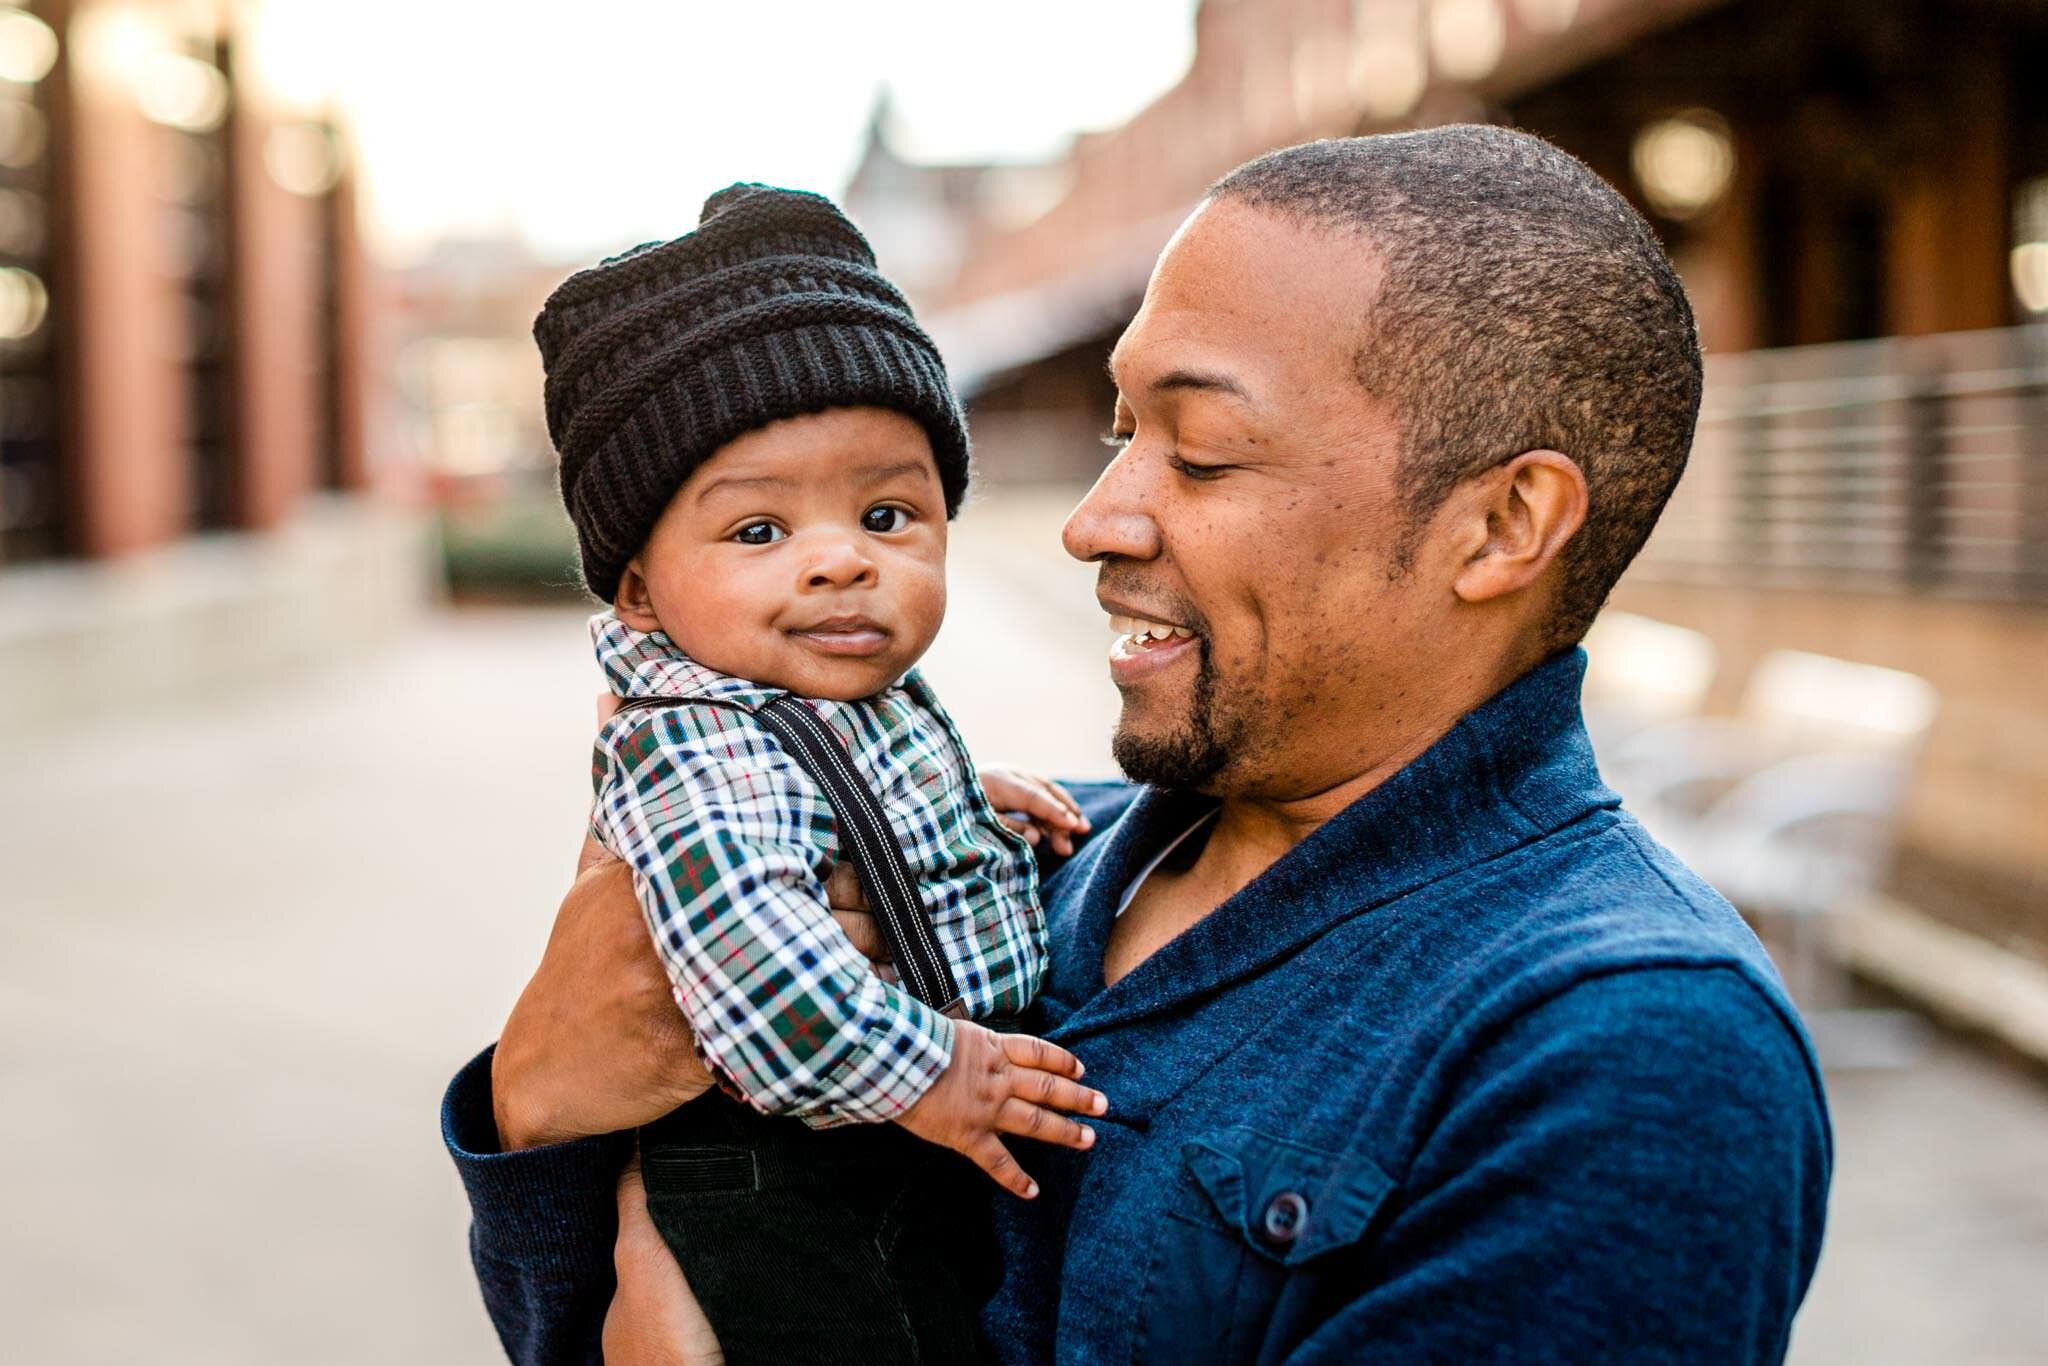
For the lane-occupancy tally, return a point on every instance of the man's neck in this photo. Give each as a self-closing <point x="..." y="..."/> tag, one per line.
<point x="1250" y="835"/>
<point x="1255" y="830"/>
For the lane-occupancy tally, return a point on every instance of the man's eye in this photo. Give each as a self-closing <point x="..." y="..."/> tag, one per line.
<point x="1194" y="471"/>
<point x="1117" y="440"/>
<point x="884" y="519"/>
<point x="759" y="533"/>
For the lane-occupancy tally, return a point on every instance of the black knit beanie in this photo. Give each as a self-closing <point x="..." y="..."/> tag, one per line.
<point x="772" y="308"/>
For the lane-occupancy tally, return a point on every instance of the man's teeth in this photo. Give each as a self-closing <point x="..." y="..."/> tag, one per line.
<point x="1140" y="629"/>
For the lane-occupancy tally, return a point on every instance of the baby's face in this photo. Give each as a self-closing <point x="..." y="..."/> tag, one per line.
<point x="809" y="554"/>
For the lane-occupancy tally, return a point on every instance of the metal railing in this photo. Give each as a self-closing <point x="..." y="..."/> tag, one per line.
<point x="1904" y="464"/>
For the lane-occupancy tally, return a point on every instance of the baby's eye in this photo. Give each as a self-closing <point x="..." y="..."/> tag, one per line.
<point x="759" y="533"/>
<point x="885" y="519"/>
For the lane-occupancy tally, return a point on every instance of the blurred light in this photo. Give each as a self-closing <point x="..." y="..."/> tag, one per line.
<point x="22" y="133"/>
<point x="182" y="92"/>
<point x="111" y="44"/>
<point x="1466" y="37"/>
<point x="28" y="47"/>
<point x="1388" y="72"/>
<point x="1548" y="16"/>
<point x="302" y="158"/>
<point x="2030" y="232"/>
<point x="1684" y="163"/>
<point x="24" y="302"/>
<point x="2030" y="275"/>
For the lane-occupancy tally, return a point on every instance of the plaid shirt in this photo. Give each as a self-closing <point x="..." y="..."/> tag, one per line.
<point x="730" y="842"/>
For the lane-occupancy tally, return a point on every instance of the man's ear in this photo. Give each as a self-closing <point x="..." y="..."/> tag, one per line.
<point x="1532" y="505"/>
<point x="633" y="604"/>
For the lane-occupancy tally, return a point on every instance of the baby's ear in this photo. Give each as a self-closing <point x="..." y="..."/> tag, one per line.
<point x="633" y="604"/>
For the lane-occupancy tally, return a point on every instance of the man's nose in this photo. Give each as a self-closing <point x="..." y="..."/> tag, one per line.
<point x="1112" y="520"/>
<point x="836" y="562"/>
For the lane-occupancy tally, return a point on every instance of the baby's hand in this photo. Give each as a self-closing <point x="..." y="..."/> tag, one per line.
<point x="1038" y="808"/>
<point x="1009" y="1084"/>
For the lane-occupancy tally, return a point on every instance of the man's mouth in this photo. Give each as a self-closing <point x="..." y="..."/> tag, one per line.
<point x="1137" y="633"/>
<point x="1144" y="645"/>
<point x="850" y="635"/>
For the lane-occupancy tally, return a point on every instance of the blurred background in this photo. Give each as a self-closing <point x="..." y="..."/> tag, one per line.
<point x="294" y="689"/>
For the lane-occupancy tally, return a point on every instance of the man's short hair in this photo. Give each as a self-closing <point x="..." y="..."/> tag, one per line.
<point x="1524" y="306"/>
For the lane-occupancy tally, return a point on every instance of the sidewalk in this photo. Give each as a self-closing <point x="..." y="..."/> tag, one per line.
<point x="243" y="946"/>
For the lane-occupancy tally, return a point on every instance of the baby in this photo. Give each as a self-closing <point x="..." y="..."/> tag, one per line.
<point x="760" y="453"/>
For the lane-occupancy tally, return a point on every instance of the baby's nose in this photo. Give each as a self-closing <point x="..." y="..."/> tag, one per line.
<point x="838" y="564"/>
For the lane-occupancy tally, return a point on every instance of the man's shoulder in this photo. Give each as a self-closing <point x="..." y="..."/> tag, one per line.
<point x="1608" y="985"/>
<point x="1594" y="936"/>
<point x="1602" y="898"/>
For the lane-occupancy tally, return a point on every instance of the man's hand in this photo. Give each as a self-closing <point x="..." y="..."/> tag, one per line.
<point x="850" y="909"/>
<point x="1035" y="807"/>
<point x="1004" y="1084"/>
<point x="596" y="1043"/>
<point x="654" y="1320"/>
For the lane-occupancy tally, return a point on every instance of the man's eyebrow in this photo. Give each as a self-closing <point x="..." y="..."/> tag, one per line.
<point x="1201" y="381"/>
<point x="1204" y="381"/>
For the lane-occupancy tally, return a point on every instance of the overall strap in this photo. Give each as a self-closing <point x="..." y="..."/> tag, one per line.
<point x="885" y="878"/>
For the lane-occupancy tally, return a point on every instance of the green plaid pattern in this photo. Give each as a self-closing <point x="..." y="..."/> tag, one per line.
<point x="730" y="843"/>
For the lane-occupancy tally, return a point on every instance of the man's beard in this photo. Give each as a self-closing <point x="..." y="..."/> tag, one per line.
<point x="1192" y="754"/>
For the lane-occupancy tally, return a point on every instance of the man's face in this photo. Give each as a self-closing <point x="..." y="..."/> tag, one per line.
<point x="1254" y="510"/>
<point x="809" y="554"/>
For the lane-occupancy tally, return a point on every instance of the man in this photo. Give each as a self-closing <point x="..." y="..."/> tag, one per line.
<point x="1417" y="1048"/>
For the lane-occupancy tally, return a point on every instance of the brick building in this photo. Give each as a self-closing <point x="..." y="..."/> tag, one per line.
<point x="188" y="342"/>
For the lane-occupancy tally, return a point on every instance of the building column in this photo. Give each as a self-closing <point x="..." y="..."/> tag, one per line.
<point x="127" y="469"/>
<point x="276" y="315"/>
<point x="1951" y="219"/>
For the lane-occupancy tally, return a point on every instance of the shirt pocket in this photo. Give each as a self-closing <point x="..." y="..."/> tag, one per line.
<point x="1252" y="1214"/>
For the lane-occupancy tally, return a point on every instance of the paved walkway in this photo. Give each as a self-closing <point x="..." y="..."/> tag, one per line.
<point x="243" y="945"/>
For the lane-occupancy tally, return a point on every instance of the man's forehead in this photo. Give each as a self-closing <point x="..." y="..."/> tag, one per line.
<point x="1243" y="297"/>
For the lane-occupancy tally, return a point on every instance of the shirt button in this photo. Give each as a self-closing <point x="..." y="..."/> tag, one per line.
<point x="1285" y="1217"/>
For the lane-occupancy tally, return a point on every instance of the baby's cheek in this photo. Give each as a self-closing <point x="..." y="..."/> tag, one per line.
<point x="928" y="596"/>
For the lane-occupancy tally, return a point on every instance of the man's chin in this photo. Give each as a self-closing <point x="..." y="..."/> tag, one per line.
<point x="1185" y="757"/>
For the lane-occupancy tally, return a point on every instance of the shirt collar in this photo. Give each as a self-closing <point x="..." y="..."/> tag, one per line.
<point x="649" y="664"/>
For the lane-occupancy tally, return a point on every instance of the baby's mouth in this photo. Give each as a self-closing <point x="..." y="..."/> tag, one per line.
<point x="853" y="635"/>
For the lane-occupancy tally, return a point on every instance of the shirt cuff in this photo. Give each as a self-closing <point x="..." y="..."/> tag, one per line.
<point x="906" y="1051"/>
<point x="553" y="1210"/>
